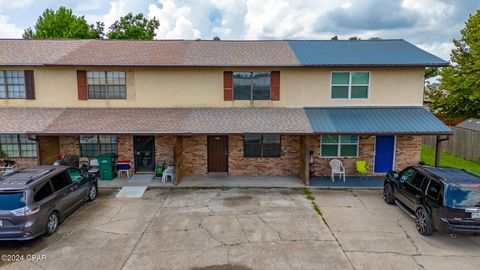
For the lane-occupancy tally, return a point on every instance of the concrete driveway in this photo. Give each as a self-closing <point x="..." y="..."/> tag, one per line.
<point x="375" y="235"/>
<point x="243" y="229"/>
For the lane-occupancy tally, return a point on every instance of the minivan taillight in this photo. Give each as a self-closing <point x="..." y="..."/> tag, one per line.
<point x="25" y="211"/>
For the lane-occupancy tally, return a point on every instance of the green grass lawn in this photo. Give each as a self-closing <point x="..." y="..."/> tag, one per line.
<point x="449" y="160"/>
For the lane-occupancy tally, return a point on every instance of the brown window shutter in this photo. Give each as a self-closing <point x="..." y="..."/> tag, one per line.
<point x="29" y="84"/>
<point x="82" y="84"/>
<point x="275" y="85"/>
<point x="227" y="85"/>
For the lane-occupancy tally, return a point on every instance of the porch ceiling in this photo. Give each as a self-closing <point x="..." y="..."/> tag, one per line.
<point x="182" y="121"/>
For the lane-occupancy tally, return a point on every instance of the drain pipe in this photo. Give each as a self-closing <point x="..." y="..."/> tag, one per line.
<point x="438" y="148"/>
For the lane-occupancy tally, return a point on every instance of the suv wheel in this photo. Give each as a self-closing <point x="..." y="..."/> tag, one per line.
<point x="92" y="192"/>
<point x="387" y="194"/>
<point x="52" y="223"/>
<point x="423" y="222"/>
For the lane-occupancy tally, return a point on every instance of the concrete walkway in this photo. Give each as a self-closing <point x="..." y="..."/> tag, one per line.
<point x="241" y="181"/>
<point x="351" y="182"/>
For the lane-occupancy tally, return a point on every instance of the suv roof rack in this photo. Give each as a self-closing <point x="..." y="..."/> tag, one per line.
<point x="29" y="179"/>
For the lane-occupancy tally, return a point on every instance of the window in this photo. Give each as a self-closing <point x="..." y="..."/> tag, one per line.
<point x="251" y="85"/>
<point x="434" y="190"/>
<point x="75" y="175"/>
<point x="18" y="146"/>
<point x="41" y="192"/>
<point x="262" y="146"/>
<point x="350" y="85"/>
<point x="60" y="181"/>
<point x="12" y="84"/>
<point x="416" y="180"/>
<point x="339" y="146"/>
<point x="406" y="174"/>
<point x="12" y="200"/>
<point x="94" y="145"/>
<point x="106" y="85"/>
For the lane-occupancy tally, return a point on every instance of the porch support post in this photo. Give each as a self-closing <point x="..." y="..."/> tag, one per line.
<point x="178" y="149"/>
<point x="304" y="170"/>
<point x="438" y="148"/>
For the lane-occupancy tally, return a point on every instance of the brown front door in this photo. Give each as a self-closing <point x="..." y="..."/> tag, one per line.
<point x="49" y="149"/>
<point x="217" y="154"/>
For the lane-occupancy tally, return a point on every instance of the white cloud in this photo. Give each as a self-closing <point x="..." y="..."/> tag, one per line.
<point x="117" y="9"/>
<point x="8" y="28"/>
<point x="15" y="3"/>
<point x="441" y="50"/>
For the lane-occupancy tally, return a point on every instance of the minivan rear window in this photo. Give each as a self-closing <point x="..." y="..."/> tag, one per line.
<point x="464" y="196"/>
<point x="12" y="200"/>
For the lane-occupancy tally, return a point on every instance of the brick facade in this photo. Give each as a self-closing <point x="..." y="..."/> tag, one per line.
<point x="25" y="162"/>
<point x="286" y="165"/>
<point x="125" y="149"/>
<point x="195" y="155"/>
<point x="164" y="149"/>
<point x="407" y="152"/>
<point x="69" y="145"/>
<point x="321" y="165"/>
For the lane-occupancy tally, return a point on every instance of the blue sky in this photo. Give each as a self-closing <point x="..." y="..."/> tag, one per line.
<point x="430" y="24"/>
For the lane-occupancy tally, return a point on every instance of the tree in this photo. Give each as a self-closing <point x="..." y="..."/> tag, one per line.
<point x="354" y="38"/>
<point x="63" y="24"/>
<point x="459" y="93"/>
<point x="334" y="38"/>
<point x="133" y="27"/>
<point x="216" y="38"/>
<point x="431" y="72"/>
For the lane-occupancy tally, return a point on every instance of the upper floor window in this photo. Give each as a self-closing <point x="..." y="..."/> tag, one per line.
<point x="15" y="145"/>
<point x="12" y="84"/>
<point x="94" y="145"/>
<point x="251" y="85"/>
<point x="339" y="146"/>
<point x="350" y="85"/>
<point x="262" y="145"/>
<point x="106" y="85"/>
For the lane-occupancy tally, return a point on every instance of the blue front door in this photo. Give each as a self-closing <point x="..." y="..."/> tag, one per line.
<point x="384" y="149"/>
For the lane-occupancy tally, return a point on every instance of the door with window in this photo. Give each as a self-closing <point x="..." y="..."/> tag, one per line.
<point x="384" y="153"/>
<point x="144" y="153"/>
<point x="217" y="153"/>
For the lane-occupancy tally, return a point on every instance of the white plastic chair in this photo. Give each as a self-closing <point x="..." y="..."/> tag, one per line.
<point x="169" y="172"/>
<point x="94" y="168"/>
<point x="337" y="168"/>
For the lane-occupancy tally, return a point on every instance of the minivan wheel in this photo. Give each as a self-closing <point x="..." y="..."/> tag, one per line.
<point x="387" y="194"/>
<point x="52" y="223"/>
<point x="92" y="192"/>
<point x="423" y="222"/>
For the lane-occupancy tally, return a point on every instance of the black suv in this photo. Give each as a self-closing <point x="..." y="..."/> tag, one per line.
<point x="34" y="201"/>
<point x="440" y="198"/>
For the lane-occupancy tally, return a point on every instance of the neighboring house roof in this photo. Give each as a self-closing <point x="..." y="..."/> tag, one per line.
<point x="470" y="123"/>
<point x="239" y="53"/>
<point x="375" y="120"/>
<point x="388" y="52"/>
<point x="183" y="121"/>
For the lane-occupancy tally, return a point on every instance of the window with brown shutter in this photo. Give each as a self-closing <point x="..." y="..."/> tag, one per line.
<point x="82" y="85"/>
<point x="275" y="85"/>
<point x="227" y="86"/>
<point x="29" y="84"/>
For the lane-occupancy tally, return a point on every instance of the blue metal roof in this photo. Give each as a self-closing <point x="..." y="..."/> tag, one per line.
<point x="385" y="52"/>
<point x="374" y="120"/>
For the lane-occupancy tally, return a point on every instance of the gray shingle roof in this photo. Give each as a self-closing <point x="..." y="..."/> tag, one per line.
<point x="239" y="53"/>
<point x="155" y="121"/>
<point x="375" y="120"/>
<point x="388" y="52"/>
<point x="470" y="123"/>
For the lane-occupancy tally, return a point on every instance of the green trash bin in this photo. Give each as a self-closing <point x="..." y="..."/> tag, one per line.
<point x="106" y="165"/>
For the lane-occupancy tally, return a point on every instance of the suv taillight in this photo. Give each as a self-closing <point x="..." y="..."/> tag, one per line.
<point x="25" y="211"/>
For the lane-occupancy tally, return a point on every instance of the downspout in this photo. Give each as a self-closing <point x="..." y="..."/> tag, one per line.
<point x="438" y="148"/>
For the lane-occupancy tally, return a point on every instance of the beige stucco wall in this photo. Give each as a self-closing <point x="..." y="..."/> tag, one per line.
<point x="149" y="87"/>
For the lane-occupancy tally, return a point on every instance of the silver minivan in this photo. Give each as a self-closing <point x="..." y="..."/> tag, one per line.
<point x="34" y="201"/>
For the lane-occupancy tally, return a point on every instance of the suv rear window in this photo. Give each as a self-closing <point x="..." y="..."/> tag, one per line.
<point x="12" y="200"/>
<point x="463" y="196"/>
